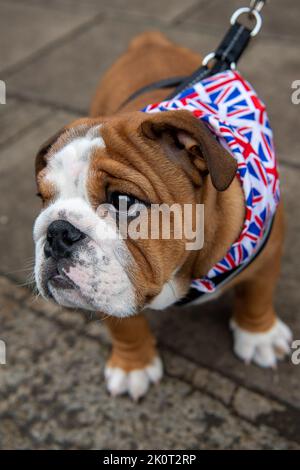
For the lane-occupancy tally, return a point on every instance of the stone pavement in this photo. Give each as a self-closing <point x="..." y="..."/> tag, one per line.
<point x="52" y="53"/>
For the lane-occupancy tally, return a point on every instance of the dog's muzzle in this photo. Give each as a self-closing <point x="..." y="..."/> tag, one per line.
<point x="80" y="260"/>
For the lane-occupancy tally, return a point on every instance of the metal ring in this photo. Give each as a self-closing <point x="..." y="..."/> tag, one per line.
<point x="208" y="58"/>
<point x="256" y="15"/>
<point x="211" y="56"/>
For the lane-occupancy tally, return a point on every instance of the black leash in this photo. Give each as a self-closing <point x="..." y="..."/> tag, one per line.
<point x="161" y="84"/>
<point x="225" y="57"/>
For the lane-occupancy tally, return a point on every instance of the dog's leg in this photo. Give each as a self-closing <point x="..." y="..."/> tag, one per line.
<point x="259" y="336"/>
<point x="134" y="362"/>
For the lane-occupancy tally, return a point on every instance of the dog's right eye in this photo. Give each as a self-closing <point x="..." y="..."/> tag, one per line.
<point x="126" y="204"/>
<point x="39" y="195"/>
<point x="123" y="202"/>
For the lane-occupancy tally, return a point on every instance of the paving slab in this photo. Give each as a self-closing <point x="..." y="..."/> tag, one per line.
<point x="36" y="27"/>
<point x="17" y="117"/>
<point x="166" y="11"/>
<point x="280" y="19"/>
<point x="20" y="205"/>
<point x="68" y="76"/>
<point x="53" y="397"/>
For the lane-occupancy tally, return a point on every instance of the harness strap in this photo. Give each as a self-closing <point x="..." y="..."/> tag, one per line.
<point x="222" y="279"/>
<point x="160" y="84"/>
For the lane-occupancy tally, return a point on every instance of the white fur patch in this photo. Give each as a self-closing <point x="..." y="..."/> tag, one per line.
<point x="167" y="296"/>
<point x="262" y="348"/>
<point x="67" y="169"/>
<point x="136" y="383"/>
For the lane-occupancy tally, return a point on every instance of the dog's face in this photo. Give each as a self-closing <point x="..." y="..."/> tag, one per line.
<point x="95" y="172"/>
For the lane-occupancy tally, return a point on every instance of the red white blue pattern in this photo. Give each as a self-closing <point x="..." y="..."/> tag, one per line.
<point x="232" y="110"/>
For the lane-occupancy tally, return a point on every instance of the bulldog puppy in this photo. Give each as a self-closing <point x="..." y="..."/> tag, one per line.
<point x="122" y="154"/>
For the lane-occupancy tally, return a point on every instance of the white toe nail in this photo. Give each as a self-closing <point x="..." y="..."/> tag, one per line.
<point x="243" y="349"/>
<point x="265" y="356"/>
<point x="285" y="331"/>
<point x="155" y="370"/>
<point x="282" y="347"/>
<point x="138" y="383"/>
<point x="108" y="372"/>
<point x="117" y="382"/>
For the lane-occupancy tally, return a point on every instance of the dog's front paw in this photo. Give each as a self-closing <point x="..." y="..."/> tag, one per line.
<point x="135" y="382"/>
<point x="262" y="348"/>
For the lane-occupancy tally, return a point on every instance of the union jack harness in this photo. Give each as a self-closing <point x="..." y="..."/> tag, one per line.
<point x="230" y="107"/>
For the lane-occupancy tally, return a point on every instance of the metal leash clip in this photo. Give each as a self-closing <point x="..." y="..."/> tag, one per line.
<point x="238" y="36"/>
<point x="253" y="11"/>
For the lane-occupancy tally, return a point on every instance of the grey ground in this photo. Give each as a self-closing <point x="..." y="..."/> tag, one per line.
<point x="52" y="394"/>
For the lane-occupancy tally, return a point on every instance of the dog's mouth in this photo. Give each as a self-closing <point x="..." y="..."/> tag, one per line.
<point x="61" y="281"/>
<point x="57" y="279"/>
<point x="90" y="278"/>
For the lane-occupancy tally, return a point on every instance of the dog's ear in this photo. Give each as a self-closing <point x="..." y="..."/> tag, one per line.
<point x="189" y="143"/>
<point x="40" y="160"/>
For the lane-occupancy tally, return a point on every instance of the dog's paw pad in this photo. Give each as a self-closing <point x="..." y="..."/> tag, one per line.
<point x="136" y="382"/>
<point x="264" y="349"/>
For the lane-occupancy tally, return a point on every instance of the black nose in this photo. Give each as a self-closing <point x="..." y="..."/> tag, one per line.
<point x="61" y="239"/>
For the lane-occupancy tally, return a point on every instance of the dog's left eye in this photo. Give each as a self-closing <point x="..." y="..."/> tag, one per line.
<point x="39" y="195"/>
<point x="124" y="202"/>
